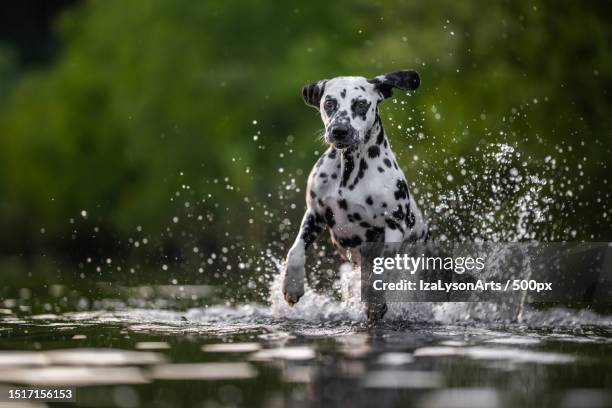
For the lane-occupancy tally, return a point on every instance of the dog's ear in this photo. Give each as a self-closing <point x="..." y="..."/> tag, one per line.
<point x="312" y="93"/>
<point x="406" y="79"/>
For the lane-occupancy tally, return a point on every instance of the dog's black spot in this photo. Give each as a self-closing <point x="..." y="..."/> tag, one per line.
<point x="387" y="162"/>
<point x="363" y="166"/>
<point x="323" y="175"/>
<point x="342" y="204"/>
<point x="395" y="165"/>
<point x="394" y="225"/>
<point x="343" y="93"/>
<point x="350" y="218"/>
<point x="381" y="134"/>
<point x="334" y="176"/>
<point x="373" y="151"/>
<point x="364" y="224"/>
<point x="311" y="228"/>
<point x="349" y="165"/>
<point x="320" y="202"/>
<point x="369" y="200"/>
<point x="381" y="170"/>
<point x="332" y="154"/>
<point x="402" y="190"/>
<point x="375" y="234"/>
<point x="357" y="216"/>
<point x="398" y="213"/>
<point x="352" y="242"/>
<point x="362" y="88"/>
<point x="384" y="205"/>
<point x="313" y="194"/>
<point x="408" y="213"/>
<point x="410" y="220"/>
<point x="329" y="217"/>
<point x="386" y="144"/>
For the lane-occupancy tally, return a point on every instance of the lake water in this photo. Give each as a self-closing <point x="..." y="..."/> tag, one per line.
<point x="319" y="353"/>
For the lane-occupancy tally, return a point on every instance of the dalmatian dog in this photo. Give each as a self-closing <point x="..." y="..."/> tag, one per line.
<point x="356" y="189"/>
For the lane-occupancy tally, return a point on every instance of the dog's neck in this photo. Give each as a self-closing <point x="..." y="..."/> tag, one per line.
<point x="375" y="136"/>
<point x="354" y="158"/>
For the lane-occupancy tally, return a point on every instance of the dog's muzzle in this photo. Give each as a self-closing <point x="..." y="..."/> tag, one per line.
<point x="341" y="136"/>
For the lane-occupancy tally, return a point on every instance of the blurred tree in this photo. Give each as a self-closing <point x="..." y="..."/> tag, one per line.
<point x="149" y="100"/>
<point x="27" y="25"/>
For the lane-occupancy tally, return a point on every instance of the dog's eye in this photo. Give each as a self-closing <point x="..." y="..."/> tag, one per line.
<point x="329" y="104"/>
<point x="362" y="105"/>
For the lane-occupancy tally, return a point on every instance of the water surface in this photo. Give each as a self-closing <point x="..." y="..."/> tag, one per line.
<point x="319" y="353"/>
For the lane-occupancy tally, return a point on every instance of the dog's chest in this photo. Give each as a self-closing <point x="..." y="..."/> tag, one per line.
<point x="352" y="195"/>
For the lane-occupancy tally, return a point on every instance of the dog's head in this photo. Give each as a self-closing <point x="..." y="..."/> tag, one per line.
<point x="348" y="105"/>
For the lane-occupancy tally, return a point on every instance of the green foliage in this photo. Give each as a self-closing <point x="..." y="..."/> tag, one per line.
<point x="149" y="96"/>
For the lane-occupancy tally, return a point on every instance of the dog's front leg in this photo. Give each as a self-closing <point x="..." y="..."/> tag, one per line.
<point x="293" y="284"/>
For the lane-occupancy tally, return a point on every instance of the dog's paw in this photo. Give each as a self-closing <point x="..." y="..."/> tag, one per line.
<point x="293" y="284"/>
<point x="293" y="293"/>
<point x="376" y="311"/>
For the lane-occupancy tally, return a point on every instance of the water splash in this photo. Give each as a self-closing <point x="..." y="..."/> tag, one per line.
<point x="320" y="306"/>
<point x="499" y="199"/>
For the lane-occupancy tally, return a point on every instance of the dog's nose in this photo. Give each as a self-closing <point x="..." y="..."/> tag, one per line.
<point x="340" y="132"/>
